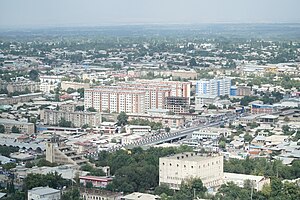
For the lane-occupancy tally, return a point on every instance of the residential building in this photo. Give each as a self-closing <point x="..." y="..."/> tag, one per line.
<point x="155" y="96"/>
<point x="47" y="87"/>
<point x="50" y="79"/>
<point x="217" y="86"/>
<point x="140" y="196"/>
<point x="99" y="182"/>
<point x="243" y="91"/>
<point x="180" y="167"/>
<point x="239" y="179"/>
<point x="44" y="193"/>
<point x="115" y="99"/>
<point x="137" y="129"/>
<point x="178" y="88"/>
<point x="210" y="133"/>
<point x="24" y="127"/>
<point x="261" y="108"/>
<point x="172" y="121"/>
<point x="178" y="104"/>
<point x="204" y="100"/>
<point x="99" y="194"/>
<point x="19" y="99"/>
<point x="183" y="74"/>
<point x="57" y="152"/>
<point x="78" y="119"/>
<point x="23" y="86"/>
<point x="74" y="85"/>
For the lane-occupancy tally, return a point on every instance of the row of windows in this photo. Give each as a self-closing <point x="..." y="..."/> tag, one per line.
<point x="207" y="165"/>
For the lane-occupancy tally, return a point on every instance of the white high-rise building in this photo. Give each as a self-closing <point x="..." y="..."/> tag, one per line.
<point x="217" y="86"/>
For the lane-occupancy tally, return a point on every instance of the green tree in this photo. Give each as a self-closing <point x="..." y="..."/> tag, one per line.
<point x="248" y="137"/>
<point x="122" y="119"/>
<point x="15" y="129"/>
<point x="64" y="123"/>
<point x="79" y="108"/>
<point x="167" y="129"/>
<point x="91" y="109"/>
<point x="9" y="166"/>
<point x="72" y="194"/>
<point x="2" y="128"/>
<point x="163" y="189"/>
<point x="29" y="164"/>
<point x="43" y="162"/>
<point x="34" y="75"/>
<point x="89" y="185"/>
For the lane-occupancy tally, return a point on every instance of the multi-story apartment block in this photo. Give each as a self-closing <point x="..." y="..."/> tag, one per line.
<point x="243" y="91"/>
<point x="217" y="86"/>
<point x="204" y="100"/>
<point x="78" y="119"/>
<point x="115" y="99"/>
<point x="24" y="127"/>
<point x="178" y="104"/>
<point x="46" y="87"/>
<point x="155" y="96"/>
<point x="257" y="108"/>
<point x="22" y="86"/>
<point x="74" y="85"/>
<point x="44" y="193"/>
<point x="172" y="121"/>
<point x="19" y="99"/>
<point x="50" y="79"/>
<point x="181" y="167"/>
<point x="211" y="133"/>
<point x="178" y="88"/>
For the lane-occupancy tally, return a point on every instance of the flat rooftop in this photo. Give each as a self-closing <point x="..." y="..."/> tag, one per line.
<point x="43" y="190"/>
<point x="191" y="156"/>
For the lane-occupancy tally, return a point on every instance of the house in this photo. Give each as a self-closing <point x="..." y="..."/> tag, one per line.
<point x="97" y="181"/>
<point x="239" y="179"/>
<point x="140" y="196"/>
<point x="44" y="193"/>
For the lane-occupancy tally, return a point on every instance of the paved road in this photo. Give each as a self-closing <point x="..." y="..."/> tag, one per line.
<point x="164" y="137"/>
<point x="160" y="138"/>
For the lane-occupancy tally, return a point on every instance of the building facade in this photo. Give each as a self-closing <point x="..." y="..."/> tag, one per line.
<point x="217" y="86"/>
<point x="239" y="179"/>
<point x="47" y="87"/>
<point x="210" y="133"/>
<point x="60" y="153"/>
<point x="19" y="99"/>
<point x="78" y="119"/>
<point x="24" y="127"/>
<point x="178" y="104"/>
<point x="181" y="167"/>
<point x="44" y="193"/>
<point x="115" y="99"/>
<point x="74" y="85"/>
<point x="178" y="88"/>
<point x="23" y="86"/>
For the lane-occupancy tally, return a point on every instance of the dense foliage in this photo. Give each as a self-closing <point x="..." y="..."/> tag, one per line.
<point x="136" y="169"/>
<point x="275" y="191"/>
<point x="263" y="167"/>
<point x="7" y="150"/>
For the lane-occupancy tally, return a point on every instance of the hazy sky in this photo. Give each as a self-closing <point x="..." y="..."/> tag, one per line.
<point x="32" y="13"/>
